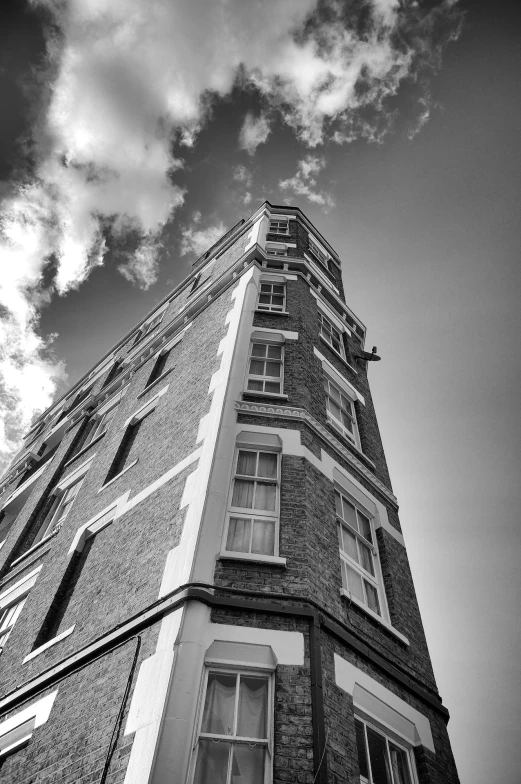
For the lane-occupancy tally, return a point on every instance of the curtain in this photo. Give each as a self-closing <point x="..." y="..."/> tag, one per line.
<point x="246" y="463"/>
<point x="263" y="540"/>
<point x="238" y="540"/>
<point x="247" y="764"/>
<point x="354" y="582"/>
<point x="267" y="465"/>
<point x="219" y="704"/>
<point x="253" y="699"/>
<point x="243" y="493"/>
<point x="372" y="597"/>
<point x="265" y="496"/>
<point x="212" y="762"/>
<point x="399" y="765"/>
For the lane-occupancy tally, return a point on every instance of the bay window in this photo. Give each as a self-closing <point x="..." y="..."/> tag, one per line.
<point x="272" y="297"/>
<point x="265" y="368"/>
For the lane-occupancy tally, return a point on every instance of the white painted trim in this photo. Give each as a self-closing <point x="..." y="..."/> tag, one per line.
<point x="286" y="334"/>
<point x="49" y="644"/>
<point x="352" y="598"/>
<point x="266" y="559"/>
<point x="348" y="677"/>
<point x="275" y="277"/>
<point x="73" y="477"/>
<point x="19" y="589"/>
<point x="335" y="376"/>
<point x="287" y="647"/>
<point x="26" y="485"/>
<point x="124" y="471"/>
<point x="330" y="314"/>
<point x="146" y="408"/>
<point x="39" y="712"/>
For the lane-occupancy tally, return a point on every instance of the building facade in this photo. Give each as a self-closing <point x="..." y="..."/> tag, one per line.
<point x="202" y="574"/>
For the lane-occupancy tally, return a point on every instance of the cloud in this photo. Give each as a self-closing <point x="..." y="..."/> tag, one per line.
<point x="127" y="84"/>
<point x="199" y="240"/>
<point x="243" y="175"/>
<point x="254" y="131"/>
<point x="304" y="183"/>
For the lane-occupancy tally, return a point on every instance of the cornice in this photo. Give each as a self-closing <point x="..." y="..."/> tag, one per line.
<point x="292" y="412"/>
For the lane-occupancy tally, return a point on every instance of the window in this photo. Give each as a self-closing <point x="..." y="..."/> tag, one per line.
<point x="115" y="370"/>
<point x="265" y="370"/>
<point x="340" y="411"/>
<point x="158" y="367"/>
<point x="320" y="255"/>
<point x="357" y="553"/>
<point x="58" y="510"/>
<point x="148" y="328"/>
<point x="331" y="334"/>
<point x="279" y="226"/>
<point x="254" y="490"/>
<point x="235" y="727"/>
<point x="276" y="249"/>
<point x="100" y="424"/>
<point x="121" y="456"/>
<point x="8" y="618"/>
<point x="381" y="759"/>
<point x="272" y="296"/>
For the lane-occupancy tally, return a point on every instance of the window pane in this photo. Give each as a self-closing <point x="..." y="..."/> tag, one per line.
<point x="243" y="494"/>
<point x="258" y="350"/>
<point x="350" y="544"/>
<point x="364" y="526"/>
<point x="263" y="537"/>
<point x="274" y="352"/>
<point x="265" y="496"/>
<point x="256" y="367"/>
<point x="349" y="514"/>
<point x="253" y="699"/>
<point x="338" y="504"/>
<point x="277" y="301"/>
<point x="248" y="764"/>
<point x="255" y="385"/>
<point x="372" y="597"/>
<point x="378" y="757"/>
<point x="219" y="704"/>
<point x="399" y="765"/>
<point x="212" y="762"/>
<point x="273" y="369"/>
<point x="267" y="465"/>
<point x="334" y="393"/>
<point x="360" y="745"/>
<point x="246" y="463"/>
<point x="272" y="386"/>
<point x="347" y="422"/>
<point x="278" y="289"/>
<point x="264" y="299"/>
<point x="354" y="583"/>
<point x="366" y="557"/>
<point x="239" y="531"/>
<point x="265" y="287"/>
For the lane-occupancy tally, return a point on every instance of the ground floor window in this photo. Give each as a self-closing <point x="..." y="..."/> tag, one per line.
<point x="382" y="760"/>
<point x="234" y="729"/>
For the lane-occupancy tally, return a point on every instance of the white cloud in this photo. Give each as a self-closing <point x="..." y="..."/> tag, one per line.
<point x="128" y="79"/>
<point x="304" y="182"/>
<point x="254" y="131"/>
<point x="243" y="175"/>
<point x="197" y="240"/>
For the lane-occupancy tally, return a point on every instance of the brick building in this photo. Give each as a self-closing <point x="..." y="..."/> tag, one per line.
<point x="202" y="574"/>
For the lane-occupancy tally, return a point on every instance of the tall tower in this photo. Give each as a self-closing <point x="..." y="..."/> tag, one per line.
<point x="203" y="578"/>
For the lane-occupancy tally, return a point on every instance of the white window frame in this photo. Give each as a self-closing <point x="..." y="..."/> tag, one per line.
<point x="353" y="437"/>
<point x="17" y="730"/>
<point x="319" y="253"/>
<point x="264" y="379"/>
<point x="14" y="598"/>
<point x="269" y="307"/>
<point x="253" y="514"/>
<point x="325" y="335"/>
<point x="275" y="219"/>
<point x="53" y="515"/>
<point x="150" y="326"/>
<point x="234" y="739"/>
<point x="389" y="737"/>
<point x="277" y="249"/>
<point x="365" y="576"/>
<point x="99" y="417"/>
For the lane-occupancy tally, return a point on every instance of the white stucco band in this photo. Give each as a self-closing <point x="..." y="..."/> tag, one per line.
<point x="18" y="729"/>
<point x="384" y="706"/>
<point x="287" y="647"/>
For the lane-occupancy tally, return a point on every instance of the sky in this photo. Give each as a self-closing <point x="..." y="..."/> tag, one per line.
<point x="134" y="133"/>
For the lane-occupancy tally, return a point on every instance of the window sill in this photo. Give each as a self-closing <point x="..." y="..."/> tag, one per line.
<point x="272" y="312"/>
<point x="114" y="478"/>
<point x="338" y="433"/>
<point x="85" y="448"/>
<point x="348" y="595"/>
<point x="49" y="644"/>
<point x="272" y="395"/>
<point x="152" y="385"/>
<point x="338" y="355"/>
<point x="272" y="560"/>
<point x="32" y="549"/>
